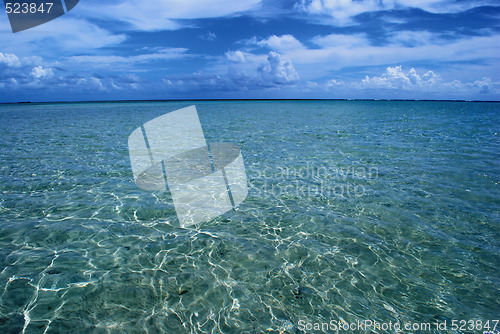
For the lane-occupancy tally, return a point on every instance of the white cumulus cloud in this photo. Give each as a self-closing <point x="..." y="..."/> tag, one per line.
<point x="395" y="77"/>
<point x="9" y="59"/>
<point x="397" y="82"/>
<point x="277" y="70"/>
<point x="40" y="73"/>
<point x="279" y="43"/>
<point x="236" y="56"/>
<point x="238" y="71"/>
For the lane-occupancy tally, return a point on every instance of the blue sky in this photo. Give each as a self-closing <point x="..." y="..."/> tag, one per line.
<point x="196" y="49"/>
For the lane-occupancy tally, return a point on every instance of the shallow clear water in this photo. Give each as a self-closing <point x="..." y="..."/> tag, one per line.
<point x="382" y="211"/>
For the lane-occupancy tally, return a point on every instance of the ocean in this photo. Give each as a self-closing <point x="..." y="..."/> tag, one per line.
<point x="361" y="217"/>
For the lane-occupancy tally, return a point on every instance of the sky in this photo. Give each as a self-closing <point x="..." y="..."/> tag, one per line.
<point x="256" y="49"/>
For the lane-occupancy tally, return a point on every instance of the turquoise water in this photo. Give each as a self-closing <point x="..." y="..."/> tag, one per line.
<point x="357" y="210"/>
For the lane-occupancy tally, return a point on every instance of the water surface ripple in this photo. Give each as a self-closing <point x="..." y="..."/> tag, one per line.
<point x="356" y="210"/>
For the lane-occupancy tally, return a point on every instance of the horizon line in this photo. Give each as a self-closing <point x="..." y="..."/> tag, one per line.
<point x="261" y="99"/>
